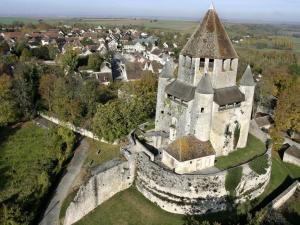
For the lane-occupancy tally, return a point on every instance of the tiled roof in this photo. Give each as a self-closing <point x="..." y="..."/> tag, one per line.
<point x="228" y="95"/>
<point x="181" y="90"/>
<point x="210" y="40"/>
<point x="188" y="148"/>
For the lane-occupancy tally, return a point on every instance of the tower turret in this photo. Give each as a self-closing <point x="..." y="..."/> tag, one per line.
<point x="165" y="78"/>
<point x="203" y="108"/>
<point x="247" y="87"/>
<point x="209" y="49"/>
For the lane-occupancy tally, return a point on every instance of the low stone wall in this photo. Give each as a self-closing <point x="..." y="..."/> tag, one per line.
<point x="257" y="132"/>
<point x="70" y="126"/>
<point x="284" y="196"/>
<point x="100" y="188"/>
<point x="289" y="158"/>
<point x="195" y="194"/>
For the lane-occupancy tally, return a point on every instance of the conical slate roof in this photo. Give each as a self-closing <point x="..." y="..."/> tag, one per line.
<point x="205" y="86"/>
<point x="247" y="78"/>
<point x="210" y="40"/>
<point x="168" y="69"/>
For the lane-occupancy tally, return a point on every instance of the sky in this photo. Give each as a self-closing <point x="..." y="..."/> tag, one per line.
<point x="280" y="11"/>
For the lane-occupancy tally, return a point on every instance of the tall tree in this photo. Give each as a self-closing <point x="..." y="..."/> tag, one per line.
<point x="46" y="89"/>
<point x="69" y="60"/>
<point x="8" y="107"/>
<point x="95" y="61"/>
<point x="26" y="84"/>
<point x="66" y="102"/>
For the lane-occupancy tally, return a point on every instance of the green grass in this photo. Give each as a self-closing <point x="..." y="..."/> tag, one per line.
<point x="282" y="175"/>
<point x="107" y="152"/>
<point x="130" y="208"/>
<point x="254" y="147"/>
<point x="260" y="164"/>
<point x="233" y="178"/>
<point x="66" y="204"/>
<point x="291" y="209"/>
<point x="26" y="168"/>
<point x="23" y="155"/>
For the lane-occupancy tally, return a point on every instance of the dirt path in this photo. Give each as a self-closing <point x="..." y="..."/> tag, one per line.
<point x="51" y="215"/>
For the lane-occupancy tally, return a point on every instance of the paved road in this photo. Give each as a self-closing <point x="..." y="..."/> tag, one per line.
<point x="51" y="216"/>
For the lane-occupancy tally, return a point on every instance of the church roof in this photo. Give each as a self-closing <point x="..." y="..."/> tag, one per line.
<point x="181" y="90"/>
<point x="168" y="69"/>
<point x="247" y="78"/>
<point x="205" y="86"/>
<point x="228" y="95"/>
<point x="210" y="40"/>
<point x="188" y="148"/>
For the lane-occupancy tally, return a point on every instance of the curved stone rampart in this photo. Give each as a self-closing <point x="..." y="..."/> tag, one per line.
<point x="195" y="194"/>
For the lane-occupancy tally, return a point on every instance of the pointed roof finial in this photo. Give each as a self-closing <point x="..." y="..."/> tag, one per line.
<point x="212" y="7"/>
<point x="205" y="86"/>
<point x="247" y="78"/>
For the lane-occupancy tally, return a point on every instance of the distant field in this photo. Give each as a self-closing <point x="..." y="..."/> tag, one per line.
<point x="175" y="25"/>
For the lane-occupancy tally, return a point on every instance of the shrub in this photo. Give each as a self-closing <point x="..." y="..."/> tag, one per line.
<point x="233" y="178"/>
<point x="260" y="164"/>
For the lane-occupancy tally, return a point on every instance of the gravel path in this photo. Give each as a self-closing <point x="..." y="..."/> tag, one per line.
<point x="51" y="215"/>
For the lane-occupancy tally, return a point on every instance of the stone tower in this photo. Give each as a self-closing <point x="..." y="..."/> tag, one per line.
<point x="204" y="101"/>
<point x="209" y="50"/>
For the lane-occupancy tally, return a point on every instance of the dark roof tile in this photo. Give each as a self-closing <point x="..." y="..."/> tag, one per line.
<point x="210" y="40"/>
<point x="228" y="95"/>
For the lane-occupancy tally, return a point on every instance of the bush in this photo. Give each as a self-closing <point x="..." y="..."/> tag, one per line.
<point x="260" y="164"/>
<point x="233" y="178"/>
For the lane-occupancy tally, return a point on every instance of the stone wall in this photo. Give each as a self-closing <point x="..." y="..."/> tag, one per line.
<point x="195" y="194"/>
<point x="100" y="188"/>
<point x="70" y="126"/>
<point x="289" y="158"/>
<point x="284" y="196"/>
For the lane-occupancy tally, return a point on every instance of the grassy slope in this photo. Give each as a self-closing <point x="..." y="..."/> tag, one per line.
<point x="22" y="156"/>
<point x="130" y="207"/>
<point x="282" y="175"/>
<point x="107" y="152"/>
<point x="254" y="147"/>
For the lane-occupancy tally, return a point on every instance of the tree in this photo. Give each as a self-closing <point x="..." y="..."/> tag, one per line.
<point x="19" y="47"/>
<point x="69" y="60"/>
<point x="41" y="53"/>
<point x="89" y="95"/>
<point x="26" y="55"/>
<point x="46" y="89"/>
<point x="94" y="62"/>
<point x="8" y="107"/>
<point x="117" y="118"/>
<point x="192" y="220"/>
<point x="25" y="87"/>
<point x="53" y="51"/>
<point x="287" y="114"/>
<point x="4" y="48"/>
<point x="66" y="102"/>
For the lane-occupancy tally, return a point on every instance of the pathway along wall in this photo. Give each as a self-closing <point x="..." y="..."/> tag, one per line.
<point x="195" y="194"/>
<point x="100" y="188"/>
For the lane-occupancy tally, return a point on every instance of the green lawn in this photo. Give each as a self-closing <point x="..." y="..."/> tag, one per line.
<point x="22" y="156"/>
<point x="282" y="175"/>
<point x="26" y="165"/>
<point x="254" y="147"/>
<point x="130" y="208"/>
<point x="107" y="152"/>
